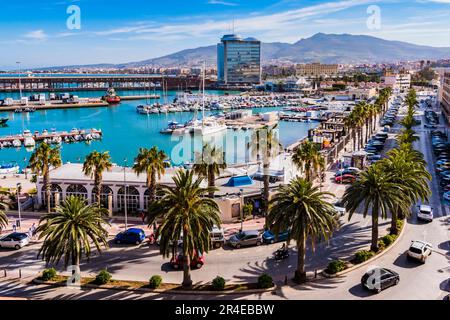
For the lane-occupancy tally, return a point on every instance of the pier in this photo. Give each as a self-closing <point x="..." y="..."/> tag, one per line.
<point x="53" y="137"/>
<point x="69" y="83"/>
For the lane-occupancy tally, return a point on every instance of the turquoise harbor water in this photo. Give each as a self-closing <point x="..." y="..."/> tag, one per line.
<point x="125" y="131"/>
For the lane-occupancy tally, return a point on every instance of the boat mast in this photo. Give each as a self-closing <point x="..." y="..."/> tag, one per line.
<point x="203" y="91"/>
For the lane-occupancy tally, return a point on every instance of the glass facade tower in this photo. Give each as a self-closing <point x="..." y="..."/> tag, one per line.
<point x="239" y="60"/>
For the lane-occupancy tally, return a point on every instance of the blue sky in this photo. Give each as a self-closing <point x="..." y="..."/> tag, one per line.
<point x="114" y="31"/>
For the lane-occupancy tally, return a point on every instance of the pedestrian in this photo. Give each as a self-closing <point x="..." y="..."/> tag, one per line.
<point x="33" y="229"/>
<point x="30" y="233"/>
<point x="14" y="228"/>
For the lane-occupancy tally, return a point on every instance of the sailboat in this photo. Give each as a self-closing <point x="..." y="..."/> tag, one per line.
<point x="208" y="125"/>
<point x="145" y="109"/>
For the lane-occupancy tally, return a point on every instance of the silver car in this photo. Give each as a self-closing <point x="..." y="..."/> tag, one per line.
<point x="15" y="240"/>
<point x="245" y="238"/>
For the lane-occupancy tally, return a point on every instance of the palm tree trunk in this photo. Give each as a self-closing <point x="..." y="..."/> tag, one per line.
<point x="211" y="181"/>
<point x="354" y="139"/>
<point x="98" y="185"/>
<point x="300" y="273"/>
<point x="47" y="190"/>
<point x="187" y="281"/>
<point x="266" y="189"/>
<point x="367" y="130"/>
<point x="374" y="245"/>
<point x="394" y="220"/>
<point x="152" y="187"/>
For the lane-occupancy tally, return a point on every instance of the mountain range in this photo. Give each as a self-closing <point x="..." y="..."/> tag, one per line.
<point x="324" y="48"/>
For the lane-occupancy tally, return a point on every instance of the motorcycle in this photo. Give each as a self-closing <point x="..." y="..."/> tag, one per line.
<point x="281" y="254"/>
<point x="152" y="239"/>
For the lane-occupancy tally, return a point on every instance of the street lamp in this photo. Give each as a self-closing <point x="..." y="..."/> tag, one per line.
<point x="20" y="82"/>
<point x="25" y="169"/>
<point x="19" y="186"/>
<point x="242" y="210"/>
<point x="125" y="192"/>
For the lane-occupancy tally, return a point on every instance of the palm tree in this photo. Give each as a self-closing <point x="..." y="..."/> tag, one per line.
<point x="375" y="190"/>
<point x="3" y="206"/>
<point x="154" y="164"/>
<point x="41" y="160"/>
<point x="407" y="136"/>
<point x="301" y="208"/>
<point x="408" y="169"/>
<point x="93" y="166"/>
<point x="184" y="210"/>
<point x="350" y="123"/>
<point x="265" y="146"/>
<point x="308" y="157"/>
<point x="71" y="231"/>
<point x="208" y="165"/>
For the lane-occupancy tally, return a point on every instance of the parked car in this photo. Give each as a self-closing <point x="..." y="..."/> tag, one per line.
<point x="245" y="238"/>
<point x="197" y="261"/>
<point x="430" y="126"/>
<point x="179" y="241"/>
<point x="217" y="237"/>
<point x="446" y="194"/>
<point x="419" y="250"/>
<point x="346" y="178"/>
<point x="373" y="157"/>
<point x="349" y="170"/>
<point x="425" y="213"/>
<point x="15" y="240"/>
<point x="130" y="236"/>
<point x="269" y="237"/>
<point x="339" y="208"/>
<point x="379" y="279"/>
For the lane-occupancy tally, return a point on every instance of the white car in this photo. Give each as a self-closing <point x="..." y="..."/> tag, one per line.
<point x="425" y="213"/>
<point x="15" y="240"/>
<point x="339" y="208"/>
<point x="419" y="250"/>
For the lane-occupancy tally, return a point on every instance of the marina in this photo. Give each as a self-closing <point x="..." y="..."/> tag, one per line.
<point x="124" y="131"/>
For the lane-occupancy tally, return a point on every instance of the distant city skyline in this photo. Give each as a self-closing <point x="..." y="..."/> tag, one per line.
<point x="36" y="33"/>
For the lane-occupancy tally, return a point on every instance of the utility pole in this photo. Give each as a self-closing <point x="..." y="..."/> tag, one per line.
<point x="20" y="82"/>
<point x="125" y="193"/>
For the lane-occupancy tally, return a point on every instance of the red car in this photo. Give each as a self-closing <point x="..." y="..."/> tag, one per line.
<point x="196" y="262"/>
<point x="346" y="178"/>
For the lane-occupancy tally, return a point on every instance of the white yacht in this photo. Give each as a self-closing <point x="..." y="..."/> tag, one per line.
<point x="29" y="142"/>
<point x="208" y="125"/>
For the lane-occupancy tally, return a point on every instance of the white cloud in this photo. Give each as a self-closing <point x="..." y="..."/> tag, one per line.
<point x="261" y="24"/>
<point x="223" y="3"/>
<point x="36" y="35"/>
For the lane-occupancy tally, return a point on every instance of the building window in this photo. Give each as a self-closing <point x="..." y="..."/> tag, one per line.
<point x="132" y="200"/>
<point x="54" y="189"/>
<point x="103" y="196"/>
<point x="77" y="190"/>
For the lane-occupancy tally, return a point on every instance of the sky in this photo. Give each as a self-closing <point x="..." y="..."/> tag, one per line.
<point x="52" y="33"/>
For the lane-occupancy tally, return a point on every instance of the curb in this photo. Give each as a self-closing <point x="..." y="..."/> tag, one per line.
<point x="376" y="257"/>
<point x="163" y="291"/>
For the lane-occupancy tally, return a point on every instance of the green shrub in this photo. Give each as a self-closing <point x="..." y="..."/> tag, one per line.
<point x="265" y="281"/>
<point x="388" y="239"/>
<point x="363" y="255"/>
<point x="247" y="209"/>
<point x="400" y="223"/>
<point x="155" y="281"/>
<point x="48" y="274"/>
<point x="381" y="245"/>
<point x="103" y="277"/>
<point x="335" y="266"/>
<point x="218" y="283"/>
